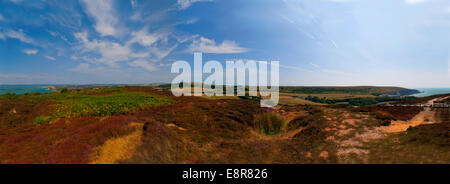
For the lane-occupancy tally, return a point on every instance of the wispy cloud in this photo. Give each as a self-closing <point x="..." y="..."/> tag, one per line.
<point x="19" y="35"/>
<point x="58" y="35"/>
<point x="103" y="13"/>
<point x="2" y="18"/>
<point x="156" y="48"/>
<point x="334" y="43"/>
<point x="184" y="4"/>
<point x="144" y="38"/>
<point x="298" y="28"/>
<point x="206" y="45"/>
<point x="30" y="51"/>
<point x="314" y="65"/>
<point x="414" y="1"/>
<point x="144" y="64"/>
<point x="326" y="70"/>
<point x="50" y="58"/>
<point x="284" y="66"/>
<point x="111" y="52"/>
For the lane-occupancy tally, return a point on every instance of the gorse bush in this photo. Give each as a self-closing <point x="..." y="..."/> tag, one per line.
<point x="106" y="105"/>
<point x="42" y="119"/>
<point x="269" y="123"/>
<point x="64" y="90"/>
<point x="98" y="102"/>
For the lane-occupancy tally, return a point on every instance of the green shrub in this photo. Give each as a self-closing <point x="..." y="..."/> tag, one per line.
<point x="64" y="90"/>
<point x="106" y="105"/>
<point x="269" y="123"/>
<point x="42" y="119"/>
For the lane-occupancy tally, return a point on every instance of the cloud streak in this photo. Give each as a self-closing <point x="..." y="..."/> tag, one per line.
<point x="414" y="1"/>
<point x="144" y="64"/>
<point x="103" y="14"/>
<point x="30" y="51"/>
<point x="19" y="35"/>
<point x="50" y="58"/>
<point x="206" y="45"/>
<point x="184" y="4"/>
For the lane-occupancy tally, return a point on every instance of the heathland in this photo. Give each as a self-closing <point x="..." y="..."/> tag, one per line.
<point x="149" y="125"/>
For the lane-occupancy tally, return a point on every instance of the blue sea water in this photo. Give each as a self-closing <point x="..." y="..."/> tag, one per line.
<point x="21" y="89"/>
<point x="431" y="91"/>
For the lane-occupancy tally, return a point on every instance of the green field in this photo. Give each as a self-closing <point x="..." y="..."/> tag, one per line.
<point x="91" y="102"/>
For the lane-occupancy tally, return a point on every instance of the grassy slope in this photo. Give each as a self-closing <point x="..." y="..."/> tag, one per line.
<point x="367" y="90"/>
<point x="81" y="121"/>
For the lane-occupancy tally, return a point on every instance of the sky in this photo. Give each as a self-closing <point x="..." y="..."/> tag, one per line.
<point x="317" y="42"/>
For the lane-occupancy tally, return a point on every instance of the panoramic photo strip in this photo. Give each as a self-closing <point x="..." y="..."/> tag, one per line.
<point x="224" y="90"/>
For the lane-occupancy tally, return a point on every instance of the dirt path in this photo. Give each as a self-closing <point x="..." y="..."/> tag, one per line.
<point x="427" y="116"/>
<point x="354" y="144"/>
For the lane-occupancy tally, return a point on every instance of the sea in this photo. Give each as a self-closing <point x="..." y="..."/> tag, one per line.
<point x="21" y="89"/>
<point x="431" y="91"/>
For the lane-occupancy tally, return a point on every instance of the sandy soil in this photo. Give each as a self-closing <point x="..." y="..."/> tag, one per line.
<point x="353" y="144"/>
<point x="424" y="117"/>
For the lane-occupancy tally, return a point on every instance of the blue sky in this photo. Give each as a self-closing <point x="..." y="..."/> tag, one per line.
<point x="318" y="42"/>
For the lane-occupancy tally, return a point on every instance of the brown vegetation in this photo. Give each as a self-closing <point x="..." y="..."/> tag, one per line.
<point x="205" y="130"/>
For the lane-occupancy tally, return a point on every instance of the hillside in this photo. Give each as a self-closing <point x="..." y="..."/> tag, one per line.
<point x="361" y="90"/>
<point x="149" y="125"/>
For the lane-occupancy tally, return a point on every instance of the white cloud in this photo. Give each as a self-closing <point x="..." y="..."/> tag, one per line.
<point x="334" y="43"/>
<point x="19" y="35"/>
<point x="110" y="52"/>
<point x="30" y="51"/>
<point x="2" y="18"/>
<point x="50" y="58"/>
<point x="314" y="65"/>
<point x="205" y="45"/>
<point x="184" y="4"/>
<point x="144" y="38"/>
<point x="103" y="14"/>
<point x="414" y="1"/>
<point x="82" y="68"/>
<point x="142" y="63"/>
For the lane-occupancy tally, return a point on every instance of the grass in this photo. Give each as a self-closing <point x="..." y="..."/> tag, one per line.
<point x="42" y="119"/>
<point x="269" y="123"/>
<point x="100" y="102"/>
<point x="294" y="100"/>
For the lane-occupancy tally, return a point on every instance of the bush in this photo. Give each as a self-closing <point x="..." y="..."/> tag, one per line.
<point x="42" y="119"/>
<point x="269" y="123"/>
<point x="64" y="90"/>
<point x="105" y="105"/>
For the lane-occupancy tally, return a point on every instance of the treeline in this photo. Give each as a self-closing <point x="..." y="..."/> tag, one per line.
<point x="356" y="101"/>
